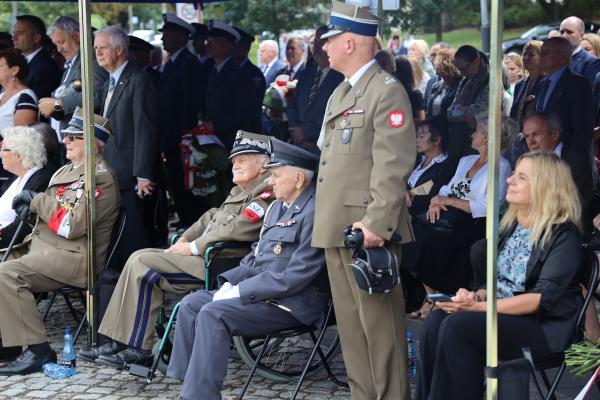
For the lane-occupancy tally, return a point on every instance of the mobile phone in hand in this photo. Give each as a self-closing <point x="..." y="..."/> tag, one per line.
<point x="439" y="297"/>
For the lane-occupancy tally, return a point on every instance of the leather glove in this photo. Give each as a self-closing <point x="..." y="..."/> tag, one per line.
<point x="21" y="203"/>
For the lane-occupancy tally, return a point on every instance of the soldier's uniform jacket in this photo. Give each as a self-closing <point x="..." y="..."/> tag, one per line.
<point x="283" y="266"/>
<point x="236" y="220"/>
<point x="367" y="153"/>
<point x="58" y="240"/>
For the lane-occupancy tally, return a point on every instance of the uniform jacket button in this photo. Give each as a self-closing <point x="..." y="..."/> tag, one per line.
<point x="365" y="201"/>
<point x="320" y="179"/>
<point x="327" y="144"/>
<point x="332" y="125"/>
<point x="390" y="229"/>
<point x="323" y="162"/>
<point x="252" y="297"/>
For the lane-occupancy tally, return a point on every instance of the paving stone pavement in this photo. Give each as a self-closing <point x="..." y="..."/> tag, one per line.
<point x="97" y="382"/>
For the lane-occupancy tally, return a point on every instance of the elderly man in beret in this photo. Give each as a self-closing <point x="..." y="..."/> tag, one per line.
<point x="135" y="303"/>
<point x="57" y="247"/>
<point x="283" y="269"/>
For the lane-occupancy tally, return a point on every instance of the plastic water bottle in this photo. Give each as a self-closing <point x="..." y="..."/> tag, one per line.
<point x="56" y="371"/>
<point x="68" y="355"/>
<point x="412" y="356"/>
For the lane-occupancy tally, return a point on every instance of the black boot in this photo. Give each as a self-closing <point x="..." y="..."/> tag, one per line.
<point x="107" y="349"/>
<point x="129" y="356"/>
<point x="28" y="362"/>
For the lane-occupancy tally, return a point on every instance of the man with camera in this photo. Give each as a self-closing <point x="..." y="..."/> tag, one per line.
<point x="279" y="285"/>
<point x="367" y="152"/>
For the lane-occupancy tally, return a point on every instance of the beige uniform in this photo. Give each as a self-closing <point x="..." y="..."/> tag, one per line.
<point x="137" y="298"/>
<point x="367" y="153"/>
<point x="57" y="249"/>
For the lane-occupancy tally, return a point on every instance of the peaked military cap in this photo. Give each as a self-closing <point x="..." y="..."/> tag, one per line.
<point x="245" y="37"/>
<point x="218" y="28"/>
<point x="351" y="18"/>
<point x="253" y="143"/>
<point x="200" y="30"/>
<point x="173" y="22"/>
<point x="102" y="129"/>
<point x="287" y="154"/>
<point x="136" y="43"/>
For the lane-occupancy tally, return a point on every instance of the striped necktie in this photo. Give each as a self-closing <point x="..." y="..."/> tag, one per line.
<point x="315" y="86"/>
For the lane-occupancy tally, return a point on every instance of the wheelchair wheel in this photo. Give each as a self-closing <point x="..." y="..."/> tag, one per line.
<point x="285" y="357"/>
<point x="163" y="361"/>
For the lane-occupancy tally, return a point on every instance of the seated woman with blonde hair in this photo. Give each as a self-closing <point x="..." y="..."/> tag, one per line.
<point x="23" y="153"/>
<point x="539" y="257"/>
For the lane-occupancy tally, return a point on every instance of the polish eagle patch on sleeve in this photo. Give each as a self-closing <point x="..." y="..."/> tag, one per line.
<point x="396" y="119"/>
<point x="254" y="212"/>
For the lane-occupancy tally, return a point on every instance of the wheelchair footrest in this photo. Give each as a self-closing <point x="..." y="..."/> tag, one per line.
<point x="142" y="371"/>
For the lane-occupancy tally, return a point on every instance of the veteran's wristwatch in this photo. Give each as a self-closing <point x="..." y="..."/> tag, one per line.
<point x="57" y="106"/>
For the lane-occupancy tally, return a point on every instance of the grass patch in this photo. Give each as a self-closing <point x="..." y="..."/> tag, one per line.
<point x="472" y="36"/>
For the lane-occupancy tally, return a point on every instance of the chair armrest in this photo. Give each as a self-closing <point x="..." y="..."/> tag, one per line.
<point x="175" y="238"/>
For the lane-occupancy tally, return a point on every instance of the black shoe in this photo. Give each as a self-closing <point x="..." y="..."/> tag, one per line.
<point x="27" y="363"/>
<point x="10" y="353"/>
<point x="124" y="358"/>
<point x="107" y="349"/>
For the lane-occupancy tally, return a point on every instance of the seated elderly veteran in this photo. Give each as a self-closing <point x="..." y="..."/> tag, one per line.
<point x="135" y="303"/>
<point x="23" y="154"/>
<point x="282" y="268"/>
<point x="57" y="246"/>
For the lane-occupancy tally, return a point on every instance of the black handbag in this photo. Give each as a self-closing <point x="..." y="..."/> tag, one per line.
<point x="448" y="222"/>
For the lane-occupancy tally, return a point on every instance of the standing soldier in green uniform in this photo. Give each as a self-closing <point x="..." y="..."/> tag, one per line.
<point x="367" y="152"/>
<point x="57" y="246"/>
<point x="135" y="303"/>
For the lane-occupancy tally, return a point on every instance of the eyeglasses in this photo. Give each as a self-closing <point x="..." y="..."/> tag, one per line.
<point x="71" y="138"/>
<point x="4" y="150"/>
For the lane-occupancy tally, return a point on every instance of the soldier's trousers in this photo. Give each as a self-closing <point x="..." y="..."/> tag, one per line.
<point x="139" y="294"/>
<point x="20" y="321"/>
<point x="372" y="332"/>
<point x="203" y="339"/>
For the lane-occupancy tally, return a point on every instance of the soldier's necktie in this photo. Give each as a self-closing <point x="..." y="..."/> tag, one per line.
<point x="315" y="86"/>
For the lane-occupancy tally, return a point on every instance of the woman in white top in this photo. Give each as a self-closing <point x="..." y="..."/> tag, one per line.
<point x="18" y="104"/>
<point x="443" y="252"/>
<point x="23" y="153"/>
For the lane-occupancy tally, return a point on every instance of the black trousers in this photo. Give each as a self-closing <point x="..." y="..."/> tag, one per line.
<point x="453" y="351"/>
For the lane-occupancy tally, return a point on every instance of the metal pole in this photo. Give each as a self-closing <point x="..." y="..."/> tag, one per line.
<point x="485" y="26"/>
<point x="130" y="18"/>
<point x="85" y="41"/>
<point x="494" y="132"/>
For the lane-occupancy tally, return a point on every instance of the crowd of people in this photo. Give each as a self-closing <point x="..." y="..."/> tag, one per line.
<point x="344" y="131"/>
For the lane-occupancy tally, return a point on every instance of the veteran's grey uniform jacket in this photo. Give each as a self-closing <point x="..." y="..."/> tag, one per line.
<point x="283" y="265"/>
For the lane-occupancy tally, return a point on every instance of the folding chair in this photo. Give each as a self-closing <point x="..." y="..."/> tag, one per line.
<point x="557" y="360"/>
<point x="273" y="340"/>
<point x="67" y="291"/>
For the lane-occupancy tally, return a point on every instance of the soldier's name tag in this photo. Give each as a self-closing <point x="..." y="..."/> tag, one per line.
<point x="278" y="249"/>
<point x="346" y="135"/>
<point x="285" y="224"/>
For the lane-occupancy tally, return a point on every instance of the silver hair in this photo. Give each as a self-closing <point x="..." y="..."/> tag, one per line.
<point x="66" y="24"/>
<point x="100" y="145"/>
<point x="28" y="143"/>
<point x="508" y="128"/>
<point x="272" y="44"/>
<point x="308" y="174"/>
<point x="116" y="37"/>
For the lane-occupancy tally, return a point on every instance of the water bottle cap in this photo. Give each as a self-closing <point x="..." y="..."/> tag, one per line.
<point x="410" y="334"/>
<point x="68" y="331"/>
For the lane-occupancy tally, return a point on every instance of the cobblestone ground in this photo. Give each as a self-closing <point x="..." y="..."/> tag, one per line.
<point x="97" y="382"/>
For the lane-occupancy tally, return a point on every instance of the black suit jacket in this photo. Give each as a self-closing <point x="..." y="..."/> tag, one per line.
<point x="43" y="76"/>
<point x="520" y="89"/>
<point x="258" y="80"/>
<point x="572" y="101"/>
<point x="133" y="116"/>
<point x="596" y="92"/>
<point x="440" y="174"/>
<point x="287" y="70"/>
<point x="38" y="182"/>
<point x="584" y="63"/>
<point x="228" y="105"/>
<point x="180" y="97"/>
<point x="310" y="118"/>
<point x="552" y="270"/>
<point x="581" y="170"/>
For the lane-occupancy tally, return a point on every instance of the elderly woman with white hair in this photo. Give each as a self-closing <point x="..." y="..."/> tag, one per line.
<point x="23" y="154"/>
